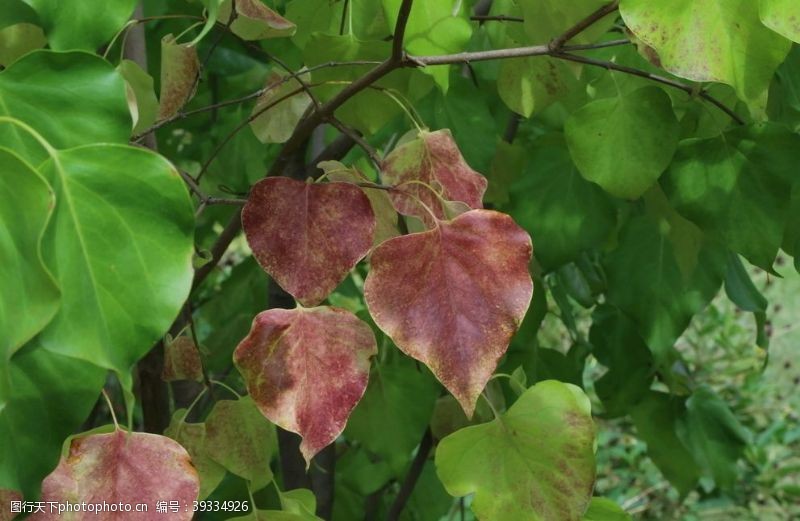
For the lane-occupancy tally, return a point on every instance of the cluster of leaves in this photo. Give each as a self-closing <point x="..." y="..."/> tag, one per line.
<point x="645" y="159"/>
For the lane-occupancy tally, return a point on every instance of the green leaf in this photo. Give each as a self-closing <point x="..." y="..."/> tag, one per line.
<point x="646" y="281"/>
<point x="736" y="188"/>
<point x="192" y="436"/>
<point x="740" y="289"/>
<point x="639" y="126"/>
<point x="52" y="396"/>
<point x="547" y="19"/>
<point x="16" y="12"/>
<point x="239" y="438"/>
<point x="534" y="462"/>
<point x="211" y="16"/>
<point x="71" y="99"/>
<point x="713" y="435"/>
<point x="30" y="297"/>
<point x="365" y="20"/>
<point x="277" y="117"/>
<point x="19" y="39"/>
<point x="141" y="96"/>
<point x="602" y="509"/>
<point x="782" y="16"/>
<point x="711" y="41"/>
<point x="564" y="213"/>
<point x="656" y="417"/>
<point x="433" y="28"/>
<point x="120" y="246"/>
<point x="528" y="85"/>
<point x="616" y="345"/>
<point x="394" y="412"/>
<point x="76" y="24"/>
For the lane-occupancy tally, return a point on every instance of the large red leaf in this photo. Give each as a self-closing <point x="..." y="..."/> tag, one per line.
<point x="306" y="369"/>
<point x="121" y="467"/>
<point x="308" y="236"/>
<point x="432" y="158"/>
<point x="453" y="296"/>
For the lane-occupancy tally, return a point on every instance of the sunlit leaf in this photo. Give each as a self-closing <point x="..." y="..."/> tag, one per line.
<point x="453" y="296"/>
<point x="308" y="236"/>
<point x="782" y="16"/>
<point x="76" y="24"/>
<point x="306" y="369"/>
<point x="122" y="467"/>
<point x="532" y="463"/>
<point x="428" y="164"/>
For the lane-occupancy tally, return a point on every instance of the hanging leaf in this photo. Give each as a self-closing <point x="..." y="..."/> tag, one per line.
<point x="256" y="21"/>
<point x="737" y="188"/>
<point x="452" y="297"/>
<point x="306" y="369"/>
<point x="88" y="105"/>
<point x="120" y="246"/>
<point x="308" y="236"/>
<point x="639" y="125"/>
<point x="182" y="360"/>
<point x="76" y="24"/>
<point x="427" y="164"/>
<point x="385" y="215"/>
<point x="564" y="212"/>
<point x="122" y="467"/>
<point x="192" y="436"/>
<point x="142" y="101"/>
<point x="276" y="123"/>
<point x="180" y="68"/>
<point x="239" y="438"/>
<point x="710" y="41"/>
<point x="534" y="462"/>
<point x="782" y="16"/>
<point x="30" y="298"/>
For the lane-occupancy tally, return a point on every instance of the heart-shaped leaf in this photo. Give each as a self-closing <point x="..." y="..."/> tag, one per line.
<point x="452" y="297"/>
<point x="534" y="462"/>
<point x="306" y="369"/>
<point x="432" y="159"/>
<point x="179" y="69"/>
<point x="76" y="24"/>
<point x="192" y="436"/>
<point x="308" y="236"/>
<point x="276" y="123"/>
<point x="122" y="467"/>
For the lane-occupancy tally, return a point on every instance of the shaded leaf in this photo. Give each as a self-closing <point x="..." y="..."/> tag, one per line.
<point x="534" y="462"/>
<point x="179" y="71"/>
<point x="18" y="40"/>
<point x="736" y="188"/>
<point x="547" y="19"/>
<point x="453" y="296"/>
<point x="122" y="467"/>
<point x="255" y="21"/>
<point x="182" y="360"/>
<point x="239" y="438"/>
<point x="306" y="369"/>
<point x="528" y="85"/>
<point x="431" y="158"/>
<point x="711" y="41"/>
<point x="276" y="123"/>
<point x="30" y="297"/>
<point x="192" y="436"/>
<point x="639" y="125"/>
<point x="86" y="106"/>
<point x="602" y="509"/>
<point x="141" y="95"/>
<point x="120" y="246"/>
<point x="308" y="236"/>
<point x="76" y="24"/>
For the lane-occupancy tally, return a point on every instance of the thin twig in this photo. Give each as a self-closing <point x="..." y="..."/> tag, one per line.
<point x="357" y="137"/>
<point x="558" y="42"/>
<point x="495" y="18"/>
<point x="410" y="481"/>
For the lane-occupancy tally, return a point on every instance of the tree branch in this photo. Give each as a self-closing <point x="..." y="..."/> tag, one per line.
<point x="357" y="137"/>
<point x="495" y="18"/>
<point x="558" y="42"/>
<point x="400" y="30"/>
<point x="410" y="481"/>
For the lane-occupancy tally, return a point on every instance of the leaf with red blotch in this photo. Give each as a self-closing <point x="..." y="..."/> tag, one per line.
<point x="432" y="158"/>
<point x="179" y="69"/>
<point x="6" y="498"/>
<point x="306" y="369"/>
<point x="308" y="236"/>
<point x="453" y="296"/>
<point x="182" y="361"/>
<point x="122" y="467"/>
<point x="256" y="21"/>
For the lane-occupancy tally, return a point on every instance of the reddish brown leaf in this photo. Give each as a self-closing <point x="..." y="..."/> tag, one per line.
<point x="130" y="468"/>
<point x="306" y="369"/>
<point x="256" y="21"/>
<point x="308" y="236"/>
<point x="453" y="296"/>
<point x="179" y="69"/>
<point x="182" y="361"/>
<point x="432" y="158"/>
<point x="6" y="498"/>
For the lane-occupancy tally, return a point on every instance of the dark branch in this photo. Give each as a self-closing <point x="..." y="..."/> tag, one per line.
<point x="400" y="30"/>
<point x="412" y="476"/>
<point x="495" y="18"/>
<point x="558" y="42"/>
